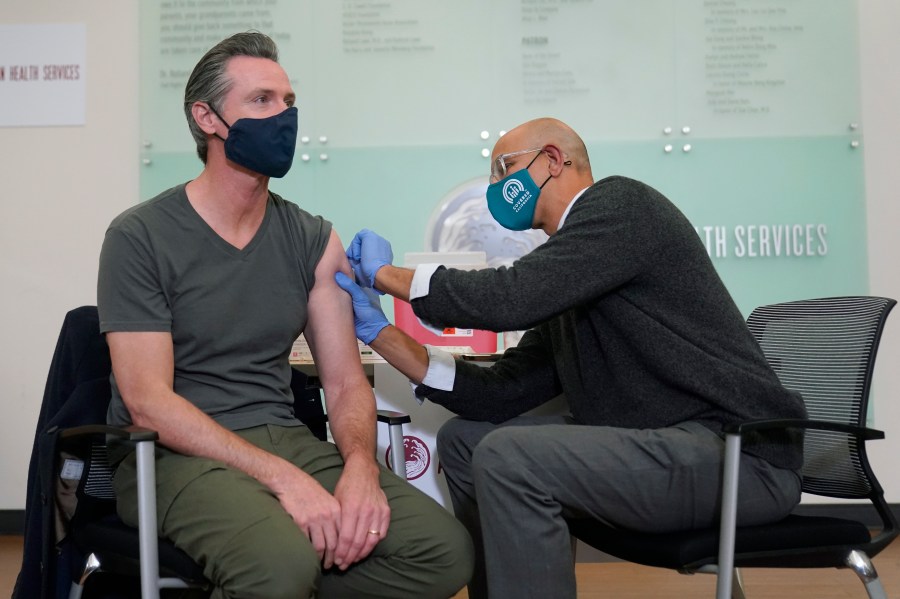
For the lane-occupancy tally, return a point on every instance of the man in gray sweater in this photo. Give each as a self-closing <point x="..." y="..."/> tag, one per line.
<point x="628" y="319"/>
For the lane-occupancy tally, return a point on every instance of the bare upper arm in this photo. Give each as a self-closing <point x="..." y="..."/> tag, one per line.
<point x="330" y="330"/>
<point x="143" y="363"/>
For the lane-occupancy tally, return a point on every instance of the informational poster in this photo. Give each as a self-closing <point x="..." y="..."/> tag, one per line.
<point x="399" y="72"/>
<point x="43" y="74"/>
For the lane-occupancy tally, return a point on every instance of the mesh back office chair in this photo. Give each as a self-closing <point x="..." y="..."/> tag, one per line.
<point x="825" y="349"/>
<point x="73" y="427"/>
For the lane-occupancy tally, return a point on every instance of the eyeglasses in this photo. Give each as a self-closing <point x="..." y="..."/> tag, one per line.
<point x="499" y="166"/>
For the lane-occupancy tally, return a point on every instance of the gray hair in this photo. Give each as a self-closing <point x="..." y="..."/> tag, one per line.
<point x="208" y="82"/>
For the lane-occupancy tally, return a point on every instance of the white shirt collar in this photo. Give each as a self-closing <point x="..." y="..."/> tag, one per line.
<point x="562" y="220"/>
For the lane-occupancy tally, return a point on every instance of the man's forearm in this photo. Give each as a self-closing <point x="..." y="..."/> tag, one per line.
<point x="402" y="352"/>
<point x="184" y="428"/>
<point x="353" y="423"/>
<point x="394" y="281"/>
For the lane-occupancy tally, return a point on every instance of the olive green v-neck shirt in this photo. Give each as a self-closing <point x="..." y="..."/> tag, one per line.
<point x="233" y="314"/>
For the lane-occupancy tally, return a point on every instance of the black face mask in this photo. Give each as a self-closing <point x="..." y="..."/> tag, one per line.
<point x="265" y="146"/>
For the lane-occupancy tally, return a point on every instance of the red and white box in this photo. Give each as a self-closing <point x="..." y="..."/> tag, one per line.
<point x="479" y="341"/>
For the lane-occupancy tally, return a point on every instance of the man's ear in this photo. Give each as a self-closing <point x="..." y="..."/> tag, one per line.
<point x="557" y="159"/>
<point x="205" y="117"/>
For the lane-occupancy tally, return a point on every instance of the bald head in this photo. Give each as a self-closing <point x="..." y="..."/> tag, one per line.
<point x="561" y="170"/>
<point x="540" y="132"/>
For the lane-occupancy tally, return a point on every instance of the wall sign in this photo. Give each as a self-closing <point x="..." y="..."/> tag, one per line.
<point x="43" y="72"/>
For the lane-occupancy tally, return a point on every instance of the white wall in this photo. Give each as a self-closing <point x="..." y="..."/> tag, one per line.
<point x="61" y="186"/>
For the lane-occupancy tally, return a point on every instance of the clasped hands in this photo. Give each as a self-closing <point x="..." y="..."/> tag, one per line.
<point x="367" y="253"/>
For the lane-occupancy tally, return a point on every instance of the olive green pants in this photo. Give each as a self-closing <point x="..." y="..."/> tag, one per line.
<point x="249" y="547"/>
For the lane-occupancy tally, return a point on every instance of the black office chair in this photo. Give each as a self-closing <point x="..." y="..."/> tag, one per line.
<point x="70" y="463"/>
<point x="825" y="349"/>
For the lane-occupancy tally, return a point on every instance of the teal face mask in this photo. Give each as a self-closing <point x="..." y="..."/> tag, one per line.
<point x="512" y="200"/>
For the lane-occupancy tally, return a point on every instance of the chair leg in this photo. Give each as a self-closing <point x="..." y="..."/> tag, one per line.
<point x="395" y="421"/>
<point x="147" y="532"/>
<point x="728" y="521"/>
<point x="398" y="451"/>
<point x="91" y="565"/>
<point x="860" y="563"/>
<point x="737" y="588"/>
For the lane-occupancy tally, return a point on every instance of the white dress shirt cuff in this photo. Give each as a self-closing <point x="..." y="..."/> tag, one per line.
<point x="441" y="369"/>
<point x="421" y="282"/>
<point x="440" y="374"/>
<point x="420" y="287"/>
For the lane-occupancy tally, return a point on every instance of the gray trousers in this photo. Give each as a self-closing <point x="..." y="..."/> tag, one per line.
<point x="513" y="486"/>
<point x="249" y="547"/>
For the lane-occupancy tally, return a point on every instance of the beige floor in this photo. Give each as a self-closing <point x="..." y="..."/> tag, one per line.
<point x="10" y="562"/>
<point x="628" y="581"/>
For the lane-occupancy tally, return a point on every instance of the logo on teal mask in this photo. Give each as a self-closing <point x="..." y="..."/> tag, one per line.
<point x="512" y="200"/>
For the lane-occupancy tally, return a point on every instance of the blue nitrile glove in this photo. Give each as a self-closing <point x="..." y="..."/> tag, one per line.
<point x="367" y="253"/>
<point x="368" y="318"/>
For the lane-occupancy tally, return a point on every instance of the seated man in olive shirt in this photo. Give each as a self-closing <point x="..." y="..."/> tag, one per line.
<point x="202" y="291"/>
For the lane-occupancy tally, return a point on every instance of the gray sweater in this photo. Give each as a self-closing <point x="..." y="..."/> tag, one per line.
<point x="628" y="318"/>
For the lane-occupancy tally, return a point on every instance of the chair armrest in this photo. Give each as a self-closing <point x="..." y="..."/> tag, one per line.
<point x="146" y="490"/>
<point x="860" y="432"/>
<point x="728" y="521"/>
<point x="132" y="433"/>
<point x="392" y="418"/>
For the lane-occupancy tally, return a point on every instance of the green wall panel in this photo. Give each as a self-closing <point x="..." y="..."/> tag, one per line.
<point x="743" y="112"/>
